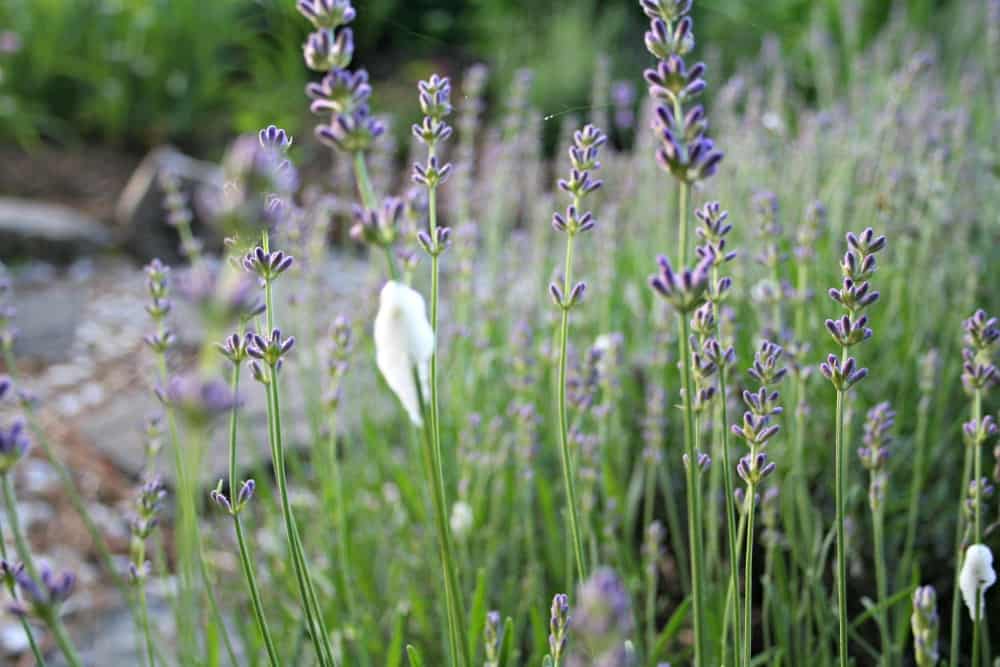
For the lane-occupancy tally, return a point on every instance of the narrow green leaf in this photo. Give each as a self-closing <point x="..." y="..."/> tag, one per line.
<point x="477" y="613"/>
<point x="507" y="643"/>
<point x="414" y="655"/>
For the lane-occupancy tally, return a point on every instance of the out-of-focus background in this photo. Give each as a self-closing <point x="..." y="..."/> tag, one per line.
<point x="104" y="80"/>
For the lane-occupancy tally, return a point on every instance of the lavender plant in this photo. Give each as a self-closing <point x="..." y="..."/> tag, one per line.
<point x="856" y="295"/>
<point x="583" y="156"/>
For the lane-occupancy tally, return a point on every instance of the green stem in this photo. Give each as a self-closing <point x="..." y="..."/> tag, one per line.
<point x="314" y="616"/>
<point x="694" y="534"/>
<point x="147" y="643"/>
<point x="748" y="577"/>
<point x="567" y="468"/>
<point x="881" y="583"/>
<point x="730" y="500"/>
<point x="245" y="560"/>
<point x="370" y="201"/>
<point x="841" y="471"/>
<point x="24" y="553"/>
<point x="456" y="614"/>
<point x="960" y="530"/>
<point x="977" y="413"/>
<point x="975" y="633"/>
<point x="916" y="485"/>
<point x="62" y="640"/>
<point x="13" y="594"/>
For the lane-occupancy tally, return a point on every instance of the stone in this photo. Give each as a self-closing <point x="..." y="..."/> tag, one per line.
<point x="31" y="229"/>
<point x="140" y="213"/>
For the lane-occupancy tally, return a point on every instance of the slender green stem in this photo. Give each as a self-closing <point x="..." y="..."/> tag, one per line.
<point x="651" y="578"/>
<point x="370" y="201"/>
<point x="748" y="577"/>
<point x="456" y="614"/>
<point x="916" y="484"/>
<point x="24" y="553"/>
<point x="255" y="599"/>
<point x="245" y="560"/>
<point x="960" y="531"/>
<point x="20" y="543"/>
<point x="694" y="534"/>
<point x="693" y="500"/>
<point x="975" y="633"/>
<point x="727" y="472"/>
<point x="840" y="485"/>
<point x="567" y="468"/>
<point x="314" y="616"/>
<point x="881" y="583"/>
<point x="977" y="455"/>
<point x="733" y="601"/>
<point x="13" y="594"/>
<point x="62" y="639"/>
<point x="140" y="585"/>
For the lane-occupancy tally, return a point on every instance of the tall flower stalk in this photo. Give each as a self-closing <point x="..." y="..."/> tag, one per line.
<point x="235" y="350"/>
<point x="855" y="295"/>
<point x="874" y="456"/>
<point x="757" y="430"/>
<point x="583" y="158"/>
<point x="342" y="95"/>
<point x="712" y="229"/>
<point x="404" y="345"/>
<point x="979" y="375"/>
<point x="268" y="349"/>
<point x="686" y="291"/>
<point x="688" y="154"/>
<point x="435" y="103"/>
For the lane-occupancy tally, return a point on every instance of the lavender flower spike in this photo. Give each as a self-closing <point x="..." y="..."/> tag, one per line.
<point x="684" y="290"/>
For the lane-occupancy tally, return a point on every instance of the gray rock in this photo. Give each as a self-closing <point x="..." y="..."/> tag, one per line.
<point x="47" y="231"/>
<point x="140" y="214"/>
<point x="47" y="318"/>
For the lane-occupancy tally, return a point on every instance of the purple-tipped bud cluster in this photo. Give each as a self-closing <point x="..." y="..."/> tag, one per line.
<point x="341" y="95"/>
<point x="713" y="226"/>
<point x="43" y="598"/>
<point x="924" y="622"/>
<point x="327" y="14"/>
<point x="244" y="496"/>
<point x="174" y="200"/>
<point x="766" y="367"/>
<point x="220" y="295"/>
<point x="602" y="622"/>
<point x="979" y="372"/>
<point x="353" y="132"/>
<point x="271" y="349"/>
<point x="857" y="266"/>
<point x="703" y="462"/>
<point x="234" y="347"/>
<point x="268" y="265"/>
<point x="491" y="639"/>
<point x="583" y="156"/>
<point x="379" y="227"/>
<point x="148" y="504"/>
<point x="665" y="10"/>
<point x="685" y="150"/>
<point x="197" y="399"/>
<point x="979" y="493"/>
<point x="753" y="468"/>
<point x="14" y="445"/>
<point x="158" y="286"/>
<point x="435" y="103"/>
<point x="808" y="233"/>
<point x="842" y="376"/>
<point x="339" y="92"/>
<point x="686" y="290"/>
<point x="877" y="427"/>
<point x="558" y="625"/>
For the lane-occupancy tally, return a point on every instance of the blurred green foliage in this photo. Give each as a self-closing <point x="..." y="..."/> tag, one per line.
<point x="138" y="72"/>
